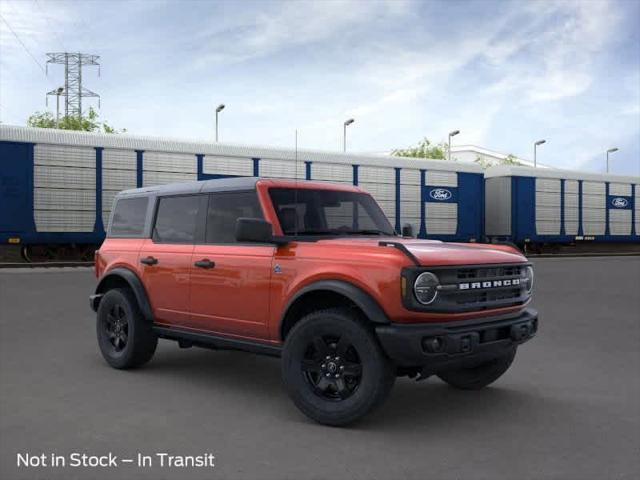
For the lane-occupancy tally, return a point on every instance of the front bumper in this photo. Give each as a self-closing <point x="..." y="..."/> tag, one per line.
<point x="442" y="346"/>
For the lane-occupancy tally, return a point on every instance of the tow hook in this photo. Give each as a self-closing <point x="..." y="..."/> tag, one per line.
<point x="521" y="331"/>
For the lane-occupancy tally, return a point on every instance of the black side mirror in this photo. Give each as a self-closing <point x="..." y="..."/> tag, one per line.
<point x="254" y="230"/>
<point x="407" y="230"/>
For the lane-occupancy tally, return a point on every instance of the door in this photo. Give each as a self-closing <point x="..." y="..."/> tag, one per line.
<point x="230" y="281"/>
<point x="16" y="188"/>
<point x="165" y="258"/>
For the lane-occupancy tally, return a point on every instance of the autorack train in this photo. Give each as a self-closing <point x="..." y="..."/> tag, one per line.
<point x="57" y="188"/>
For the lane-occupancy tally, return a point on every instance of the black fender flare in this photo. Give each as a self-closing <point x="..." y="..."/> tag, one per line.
<point x="134" y="283"/>
<point x="359" y="297"/>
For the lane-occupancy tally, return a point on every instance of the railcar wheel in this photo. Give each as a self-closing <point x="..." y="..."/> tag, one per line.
<point x="24" y="253"/>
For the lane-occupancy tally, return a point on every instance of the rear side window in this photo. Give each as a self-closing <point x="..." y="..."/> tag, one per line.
<point x="129" y="216"/>
<point x="225" y="209"/>
<point x="176" y="219"/>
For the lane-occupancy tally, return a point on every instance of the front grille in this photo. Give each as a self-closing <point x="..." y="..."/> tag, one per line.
<point x="484" y="298"/>
<point x="490" y="272"/>
<point x="482" y="288"/>
<point x="472" y="288"/>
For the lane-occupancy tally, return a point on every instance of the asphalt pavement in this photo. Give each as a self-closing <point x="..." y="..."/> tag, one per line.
<point x="569" y="408"/>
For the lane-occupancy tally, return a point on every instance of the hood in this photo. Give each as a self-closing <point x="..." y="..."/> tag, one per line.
<point x="437" y="253"/>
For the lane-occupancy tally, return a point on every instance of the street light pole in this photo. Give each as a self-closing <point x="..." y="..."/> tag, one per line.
<point x="611" y="150"/>
<point x="451" y="134"/>
<point x="58" y="93"/>
<point x="344" y="133"/>
<point x="535" y="152"/>
<point x="218" y="110"/>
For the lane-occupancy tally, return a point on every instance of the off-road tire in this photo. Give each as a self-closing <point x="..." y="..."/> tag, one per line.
<point x="350" y="397"/>
<point x="475" y="378"/>
<point x="140" y="344"/>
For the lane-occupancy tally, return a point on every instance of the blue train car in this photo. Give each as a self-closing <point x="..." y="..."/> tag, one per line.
<point x="57" y="186"/>
<point x="535" y="205"/>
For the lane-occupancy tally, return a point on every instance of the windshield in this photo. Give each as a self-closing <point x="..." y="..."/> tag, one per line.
<point x="305" y="211"/>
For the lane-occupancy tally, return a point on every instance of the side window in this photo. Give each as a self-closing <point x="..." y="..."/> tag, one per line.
<point x="129" y="216"/>
<point x="224" y="209"/>
<point x="293" y="216"/>
<point x="176" y="219"/>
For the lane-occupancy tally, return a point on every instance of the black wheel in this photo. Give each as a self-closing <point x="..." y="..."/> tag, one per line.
<point x="475" y="378"/>
<point x="125" y="338"/>
<point x="333" y="368"/>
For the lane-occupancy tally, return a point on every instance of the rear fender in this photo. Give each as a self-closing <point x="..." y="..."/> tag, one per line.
<point x="119" y="277"/>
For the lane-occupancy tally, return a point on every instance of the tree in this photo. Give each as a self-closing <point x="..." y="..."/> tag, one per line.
<point x="483" y="162"/>
<point x="86" y="123"/>
<point x="424" y="149"/>
<point x="508" y="160"/>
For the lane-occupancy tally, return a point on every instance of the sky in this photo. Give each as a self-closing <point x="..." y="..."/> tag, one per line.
<point x="504" y="73"/>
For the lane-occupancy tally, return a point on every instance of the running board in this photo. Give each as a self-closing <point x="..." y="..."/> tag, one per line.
<point x="216" y="342"/>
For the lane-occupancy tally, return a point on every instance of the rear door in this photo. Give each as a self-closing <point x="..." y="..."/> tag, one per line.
<point x="230" y="281"/>
<point x="165" y="258"/>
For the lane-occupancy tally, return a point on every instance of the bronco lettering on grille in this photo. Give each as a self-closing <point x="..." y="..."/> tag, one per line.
<point x="489" y="284"/>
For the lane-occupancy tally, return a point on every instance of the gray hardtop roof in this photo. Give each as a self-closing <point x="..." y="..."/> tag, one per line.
<point x="201" y="186"/>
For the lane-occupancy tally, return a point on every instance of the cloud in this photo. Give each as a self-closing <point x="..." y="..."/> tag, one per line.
<point x="544" y="52"/>
<point x="256" y="33"/>
<point x="36" y="26"/>
<point x="22" y="59"/>
<point x="502" y="72"/>
<point x="553" y="57"/>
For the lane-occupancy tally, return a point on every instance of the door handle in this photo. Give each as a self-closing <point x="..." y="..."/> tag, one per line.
<point x="205" y="263"/>
<point x="149" y="260"/>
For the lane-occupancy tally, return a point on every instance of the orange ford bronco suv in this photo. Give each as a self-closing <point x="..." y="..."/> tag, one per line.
<point x="312" y="272"/>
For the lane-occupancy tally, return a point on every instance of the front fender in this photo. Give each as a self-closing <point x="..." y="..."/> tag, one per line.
<point x="359" y="297"/>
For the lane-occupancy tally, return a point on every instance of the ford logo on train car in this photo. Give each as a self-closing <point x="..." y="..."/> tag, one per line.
<point x="440" y="194"/>
<point x="619" y="202"/>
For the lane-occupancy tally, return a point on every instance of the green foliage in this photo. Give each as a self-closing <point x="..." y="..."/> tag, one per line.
<point x="508" y="160"/>
<point x="86" y="123"/>
<point x="439" y="151"/>
<point x="424" y="149"/>
<point x="484" y="163"/>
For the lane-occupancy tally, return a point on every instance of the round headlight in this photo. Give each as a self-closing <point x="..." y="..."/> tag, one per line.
<point x="426" y="288"/>
<point x="529" y="277"/>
